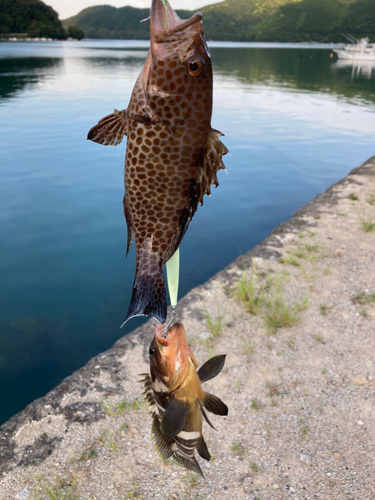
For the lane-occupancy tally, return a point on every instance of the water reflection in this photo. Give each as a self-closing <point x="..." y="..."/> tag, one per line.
<point x="20" y="73"/>
<point x="360" y="69"/>
<point x="297" y="69"/>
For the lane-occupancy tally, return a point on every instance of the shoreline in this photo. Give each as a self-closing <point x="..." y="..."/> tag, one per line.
<point x="52" y="434"/>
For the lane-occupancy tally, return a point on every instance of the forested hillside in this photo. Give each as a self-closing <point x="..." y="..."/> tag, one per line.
<point x="32" y="17"/>
<point x="245" y="20"/>
<point x="105" y="21"/>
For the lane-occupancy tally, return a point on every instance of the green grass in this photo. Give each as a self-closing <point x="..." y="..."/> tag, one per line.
<point x="318" y="338"/>
<point x="303" y="428"/>
<point x="324" y="309"/>
<point x="367" y="222"/>
<point x="247" y="346"/>
<point x="116" y="409"/>
<point x="291" y="343"/>
<point x="364" y="299"/>
<point x="256" y="405"/>
<point x="61" y="490"/>
<point x="279" y="314"/>
<point x="254" y="467"/>
<point x="108" y="441"/>
<point x="215" y="326"/>
<point x="88" y="454"/>
<point x="238" y="447"/>
<point x="273" y="390"/>
<point x="371" y="198"/>
<point x="250" y="293"/>
<point x="353" y="197"/>
<point x="290" y="259"/>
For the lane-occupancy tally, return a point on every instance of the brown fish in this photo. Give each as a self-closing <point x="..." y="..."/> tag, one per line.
<point x="177" y="400"/>
<point x="172" y="153"/>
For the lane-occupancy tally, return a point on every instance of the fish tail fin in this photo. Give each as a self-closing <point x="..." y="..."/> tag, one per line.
<point x="189" y="462"/>
<point x="149" y="291"/>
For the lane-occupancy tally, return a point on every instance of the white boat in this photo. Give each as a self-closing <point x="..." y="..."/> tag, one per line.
<point x="362" y="50"/>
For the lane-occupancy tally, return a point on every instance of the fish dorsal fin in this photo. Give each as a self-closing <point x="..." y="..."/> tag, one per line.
<point x="211" y="368"/>
<point x="211" y="162"/>
<point x="205" y="415"/>
<point x="214" y="404"/>
<point x="162" y="443"/>
<point x="111" y="129"/>
<point x="203" y="450"/>
<point x="174" y="418"/>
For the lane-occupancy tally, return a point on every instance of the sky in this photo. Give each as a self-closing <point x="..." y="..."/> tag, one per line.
<point x="68" y="8"/>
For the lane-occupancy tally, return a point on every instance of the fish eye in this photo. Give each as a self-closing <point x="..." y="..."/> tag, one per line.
<point x="194" y="65"/>
<point x="151" y="351"/>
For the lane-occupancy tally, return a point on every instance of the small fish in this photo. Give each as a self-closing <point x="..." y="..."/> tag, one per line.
<point x="172" y="153"/>
<point x="176" y="398"/>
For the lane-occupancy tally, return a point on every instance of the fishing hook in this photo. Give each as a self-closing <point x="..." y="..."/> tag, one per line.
<point x="166" y="328"/>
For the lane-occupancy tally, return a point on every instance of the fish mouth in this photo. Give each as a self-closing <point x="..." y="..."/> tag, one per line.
<point x="164" y="18"/>
<point x="164" y="338"/>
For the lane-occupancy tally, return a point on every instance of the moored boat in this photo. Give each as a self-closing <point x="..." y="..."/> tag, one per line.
<point x="362" y="50"/>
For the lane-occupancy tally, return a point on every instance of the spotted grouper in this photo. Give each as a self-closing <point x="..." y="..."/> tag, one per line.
<point x="172" y="153"/>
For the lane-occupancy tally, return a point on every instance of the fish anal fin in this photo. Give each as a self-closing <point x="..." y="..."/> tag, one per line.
<point x="211" y="368"/>
<point x="129" y="225"/>
<point x="111" y="129"/>
<point x="211" y="162"/>
<point x="214" y="404"/>
<point x="189" y="463"/>
<point x="203" y="450"/>
<point x="174" y="418"/>
<point x="161" y="442"/>
<point x="205" y="415"/>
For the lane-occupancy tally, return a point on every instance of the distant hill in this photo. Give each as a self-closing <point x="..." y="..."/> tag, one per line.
<point x="32" y="17"/>
<point x="105" y="21"/>
<point x="244" y="20"/>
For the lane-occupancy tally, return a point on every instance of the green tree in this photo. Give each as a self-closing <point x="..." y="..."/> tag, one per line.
<point x="76" y="33"/>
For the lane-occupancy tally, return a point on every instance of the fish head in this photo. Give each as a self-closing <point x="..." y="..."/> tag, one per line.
<point x="178" y="80"/>
<point x="170" y="356"/>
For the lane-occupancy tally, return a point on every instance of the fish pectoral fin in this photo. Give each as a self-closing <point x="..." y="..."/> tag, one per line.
<point x="203" y="450"/>
<point x="205" y="415"/>
<point x="211" y="368"/>
<point x="211" y="162"/>
<point x="214" y="404"/>
<point x="174" y="418"/>
<point x="161" y="442"/>
<point x="111" y="129"/>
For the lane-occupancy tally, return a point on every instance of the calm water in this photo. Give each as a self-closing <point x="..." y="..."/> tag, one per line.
<point x="295" y="122"/>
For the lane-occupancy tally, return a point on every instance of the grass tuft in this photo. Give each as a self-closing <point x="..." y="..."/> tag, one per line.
<point x="215" y="326"/>
<point x="367" y="222"/>
<point x="238" y="447"/>
<point x="108" y="441"/>
<point x="279" y="314"/>
<point x="371" y="199"/>
<point x="273" y="390"/>
<point x="353" y="197"/>
<point x="250" y="293"/>
<point x="256" y="405"/>
<point x="62" y="490"/>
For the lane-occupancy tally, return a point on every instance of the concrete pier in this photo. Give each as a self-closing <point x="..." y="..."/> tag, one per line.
<point x="298" y="380"/>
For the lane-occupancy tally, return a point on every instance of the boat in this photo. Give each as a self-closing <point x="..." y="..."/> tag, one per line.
<point x="358" y="50"/>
